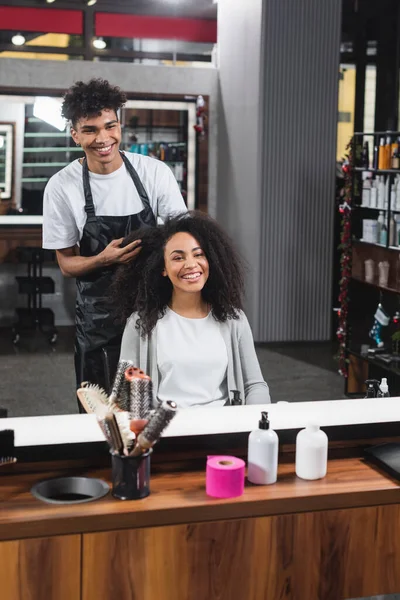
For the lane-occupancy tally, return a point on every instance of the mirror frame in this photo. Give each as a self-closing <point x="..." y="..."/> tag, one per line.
<point x="8" y="127"/>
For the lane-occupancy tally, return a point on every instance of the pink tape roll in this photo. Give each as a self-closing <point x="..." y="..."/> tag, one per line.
<point x="224" y="476"/>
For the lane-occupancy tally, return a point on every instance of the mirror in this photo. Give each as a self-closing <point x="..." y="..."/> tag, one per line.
<point x="37" y="372"/>
<point x="6" y="161"/>
<point x="293" y="371"/>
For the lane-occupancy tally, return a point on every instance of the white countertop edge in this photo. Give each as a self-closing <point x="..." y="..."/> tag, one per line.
<point x="21" y="220"/>
<point x="82" y="428"/>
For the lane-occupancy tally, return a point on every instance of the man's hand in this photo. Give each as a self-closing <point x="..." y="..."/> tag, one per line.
<point x="114" y="254"/>
<point x="74" y="265"/>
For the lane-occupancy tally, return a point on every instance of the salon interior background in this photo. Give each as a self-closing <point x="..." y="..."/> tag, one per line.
<point x="273" y="107"/>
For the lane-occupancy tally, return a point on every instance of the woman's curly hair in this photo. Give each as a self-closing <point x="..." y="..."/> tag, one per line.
<point x="84" y="100"/>
<point x="140" y="286"/>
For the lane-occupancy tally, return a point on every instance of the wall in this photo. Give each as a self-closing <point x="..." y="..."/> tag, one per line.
<point x="239" y="142"/>
<point x="277" y="150"/>
<point x="14" y="112"/>
<point x="16" y="74"/>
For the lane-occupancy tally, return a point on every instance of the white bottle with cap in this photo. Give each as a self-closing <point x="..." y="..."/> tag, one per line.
<point x="262" y="458"/>
<point x="383" y="391"/>
<point x="311" y="452"/>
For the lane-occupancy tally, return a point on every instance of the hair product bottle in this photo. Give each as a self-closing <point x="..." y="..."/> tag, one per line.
<point x="262" y="465"/>
<point x="311" y="452"/>
<point x="382" y="154"/>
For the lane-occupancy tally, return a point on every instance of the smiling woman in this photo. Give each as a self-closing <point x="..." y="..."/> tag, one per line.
<point x="182" y="298"/>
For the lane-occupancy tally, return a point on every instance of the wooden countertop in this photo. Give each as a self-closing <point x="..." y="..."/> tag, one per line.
<point x="181" y="498"/>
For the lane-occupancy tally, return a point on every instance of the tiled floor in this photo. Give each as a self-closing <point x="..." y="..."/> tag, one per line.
<point x="38" y="379"/>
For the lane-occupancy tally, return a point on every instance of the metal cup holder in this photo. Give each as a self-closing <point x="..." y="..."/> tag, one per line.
<point x="70" y="490"/>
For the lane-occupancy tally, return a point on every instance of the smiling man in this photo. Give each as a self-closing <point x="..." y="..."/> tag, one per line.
<point x="92" y="204"/>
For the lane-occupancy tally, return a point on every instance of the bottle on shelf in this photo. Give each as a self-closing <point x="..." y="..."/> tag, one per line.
<point x="365" y="156"/>
<point x="373" y="199"/>
<point x="395" y="158"/>
<point x="375" y="163"/>
<point x="394" y="149"/>
<point x="388" y="152"/>
<point x="382" y="230"/>
<point x="382" y="154"/>
<point x="383" y="390"/>
<point x="392" y="231"/>
<point x="366" y="191"/>
<point x="393" y="204"/>
<point x="386" y="194"/>
<point x="381" y="192"/>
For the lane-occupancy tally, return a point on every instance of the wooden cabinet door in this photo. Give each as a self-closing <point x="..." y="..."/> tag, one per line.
<point x="325" y="555"/>
<point x="41" y="568"/>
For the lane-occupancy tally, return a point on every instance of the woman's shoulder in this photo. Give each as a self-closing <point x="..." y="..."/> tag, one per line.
<point x="132" y="320"/>
<point x="239" y="323"/>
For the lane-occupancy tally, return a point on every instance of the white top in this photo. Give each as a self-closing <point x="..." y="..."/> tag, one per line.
<point x="192" y="361"/>
<point x="115" y="195"/>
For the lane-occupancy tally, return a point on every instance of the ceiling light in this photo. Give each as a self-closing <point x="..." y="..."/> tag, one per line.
<point x="91" y="2"/>
<point x="18" y="39"/>
<point x="49" y="110"/>
<point x="99" y="43"/>
<point x="50" y="1"/>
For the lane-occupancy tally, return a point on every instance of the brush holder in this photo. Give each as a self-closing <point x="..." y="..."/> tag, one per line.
<point x="130" y="476"/>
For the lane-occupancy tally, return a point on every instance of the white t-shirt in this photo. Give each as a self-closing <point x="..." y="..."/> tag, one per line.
<point x="192" y="361"/>
<point x="114" y="195"/>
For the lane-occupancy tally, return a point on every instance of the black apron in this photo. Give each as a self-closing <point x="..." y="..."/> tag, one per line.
<point x="95" y="325"/>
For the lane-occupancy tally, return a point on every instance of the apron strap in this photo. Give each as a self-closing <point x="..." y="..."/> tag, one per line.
<point x="89" y="205"/>
<point x="136" y="180"/>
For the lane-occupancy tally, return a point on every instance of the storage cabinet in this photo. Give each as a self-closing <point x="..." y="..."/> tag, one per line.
<point x="41" y="568"/>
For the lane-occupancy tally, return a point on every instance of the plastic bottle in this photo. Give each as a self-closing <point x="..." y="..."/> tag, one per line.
<point x="262" y="459"/>
<point x="380" y="225"/>
<point x="373" y="198"/>
<point x="392" y="231"/>
<point x="383" y="232"/>
<point x="383" y="391"/>
<point x="366" y="192"/>
<point x="311" y="453"/>
<point x="381" y="193"/>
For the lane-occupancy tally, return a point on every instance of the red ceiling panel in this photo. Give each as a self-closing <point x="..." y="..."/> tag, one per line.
<point x="164" y="28"/>
<point x="45" y="20"/>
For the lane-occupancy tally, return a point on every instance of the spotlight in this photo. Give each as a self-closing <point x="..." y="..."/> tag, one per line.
<point x="18" y="39"/>
<point x="50" y="1"/>
<point x="99" y="43"/>
<point x="91" y="2"/>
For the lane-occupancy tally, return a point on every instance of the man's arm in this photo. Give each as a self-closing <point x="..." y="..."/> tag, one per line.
<point x="73" y="265"/>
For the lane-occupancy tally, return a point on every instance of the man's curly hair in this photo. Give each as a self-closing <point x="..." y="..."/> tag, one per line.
<point x="140" y="286"/>
<point x="84" y="100"/>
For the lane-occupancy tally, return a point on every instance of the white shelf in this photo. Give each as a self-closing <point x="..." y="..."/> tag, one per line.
<point x="38" y="165"/>
<point x="34" y="179"/>
<point x="56" y="149"/>
<point x="50" y="135"/>
<point x="21" y="220"/>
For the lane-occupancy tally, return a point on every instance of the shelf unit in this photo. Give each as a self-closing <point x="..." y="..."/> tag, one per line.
<point x="46" y="151"/>
<point x="34" y="285"/>
<point x="165" y="130"/>
<point x="364" y="296"/>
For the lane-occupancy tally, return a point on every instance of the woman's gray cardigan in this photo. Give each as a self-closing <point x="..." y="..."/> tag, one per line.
<point x="244" y="373"/>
